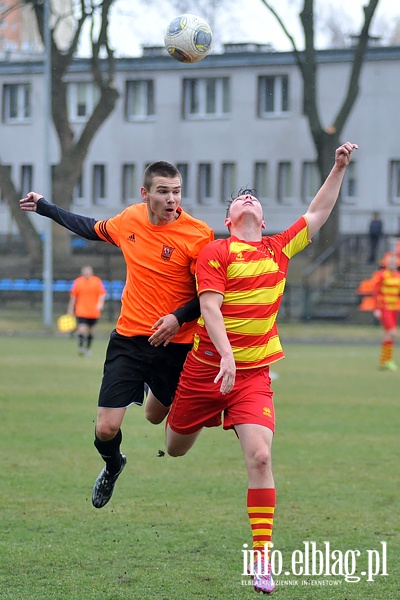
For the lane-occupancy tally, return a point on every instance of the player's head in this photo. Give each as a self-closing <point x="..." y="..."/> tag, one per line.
<point x="86" y="271"/>
<point x="160" y="168"/>
<point x="392" y="262"/>
<point x="239" y="203"/>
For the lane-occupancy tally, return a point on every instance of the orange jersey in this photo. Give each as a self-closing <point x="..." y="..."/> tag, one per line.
<point x="88" y="292"/>
<point x="251" y="277"/>
<point x="386" y="289"/>
<point x="161" y="262"/>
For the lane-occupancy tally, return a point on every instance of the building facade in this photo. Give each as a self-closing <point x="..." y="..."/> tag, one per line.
<point x="233" y="120"/>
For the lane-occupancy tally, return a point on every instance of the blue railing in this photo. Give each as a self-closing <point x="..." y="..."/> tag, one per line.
<point x="114" y="288"/>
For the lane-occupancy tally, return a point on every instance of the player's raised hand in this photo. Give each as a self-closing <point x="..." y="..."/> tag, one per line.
<point x="343" y="154"/>
<point x="29" y="203"/>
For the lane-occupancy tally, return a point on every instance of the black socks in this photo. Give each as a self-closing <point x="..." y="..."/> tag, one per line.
<point x="110" y="452"/>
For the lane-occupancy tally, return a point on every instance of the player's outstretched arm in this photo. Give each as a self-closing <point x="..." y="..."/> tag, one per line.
<point x="323" y="203"/>
<point x="82" y="226"/>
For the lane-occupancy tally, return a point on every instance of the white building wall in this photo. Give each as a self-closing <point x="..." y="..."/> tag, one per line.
<point x="241" y="138"/>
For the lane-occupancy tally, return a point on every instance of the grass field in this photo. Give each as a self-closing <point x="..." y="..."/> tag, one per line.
<point x="175" y="528"/>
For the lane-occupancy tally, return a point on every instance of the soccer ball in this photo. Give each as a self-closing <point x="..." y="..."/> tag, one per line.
<point x="188" y="38"/>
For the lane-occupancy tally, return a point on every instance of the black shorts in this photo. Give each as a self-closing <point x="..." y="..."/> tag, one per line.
<point x="85" y="321"/>
<point x="131" y="362"/>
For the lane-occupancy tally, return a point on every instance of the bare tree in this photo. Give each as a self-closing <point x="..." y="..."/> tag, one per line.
<point x="73" y="147"/>
<point x="326" y="137"/>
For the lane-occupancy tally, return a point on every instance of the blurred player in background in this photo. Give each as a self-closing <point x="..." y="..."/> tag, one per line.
<point x="160" y="244"/>
<point x="387" y="297"/>
<point x="86" y="302"/>
<point x="240" y="284"/>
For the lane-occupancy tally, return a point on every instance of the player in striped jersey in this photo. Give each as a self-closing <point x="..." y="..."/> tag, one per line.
<point x="387" y="298"/>
<point x="240" y="283"/>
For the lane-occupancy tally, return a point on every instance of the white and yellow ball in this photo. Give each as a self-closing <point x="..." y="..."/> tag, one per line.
<point x="188" y="38"/>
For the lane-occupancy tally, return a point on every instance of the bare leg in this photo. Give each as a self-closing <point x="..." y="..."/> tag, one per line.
<point x="179" y="444"/>
<point x="153" y="409"/>
<point x="109" y="421"/>
<point x="256" y="441"/>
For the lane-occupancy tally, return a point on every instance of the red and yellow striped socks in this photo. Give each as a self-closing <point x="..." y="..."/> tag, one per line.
<point x="386" y="352"/>
<point x="261" y="508"/>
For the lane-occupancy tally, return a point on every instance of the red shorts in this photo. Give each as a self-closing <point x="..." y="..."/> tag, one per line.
<point x="199" y="403"/>
<point x="389" y="319"/>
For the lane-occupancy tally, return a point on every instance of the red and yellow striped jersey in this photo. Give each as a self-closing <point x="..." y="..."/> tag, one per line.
<point x="386" y="289"/>
<point x="251" y="276"/>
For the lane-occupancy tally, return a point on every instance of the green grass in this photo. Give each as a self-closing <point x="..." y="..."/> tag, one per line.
<point x="175" y="528"/>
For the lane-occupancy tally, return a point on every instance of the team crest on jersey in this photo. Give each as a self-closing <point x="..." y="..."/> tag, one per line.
<point x="239" y="256"/>
<point x="167" y="252"/>
<point x="214" y="264"/>
<point x="131" y="238"/>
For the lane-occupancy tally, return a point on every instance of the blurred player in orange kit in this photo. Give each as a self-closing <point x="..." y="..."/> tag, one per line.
<point x="240" y="283"/>
<point x="387" y="296"/>
<point x="86" y="302"/>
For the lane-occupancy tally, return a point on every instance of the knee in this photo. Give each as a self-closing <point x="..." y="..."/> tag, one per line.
<point x="175" y="451"/>
<point x="261" y="460"/>
<point x="154" y="417"/>
<point x="106" y="431"/>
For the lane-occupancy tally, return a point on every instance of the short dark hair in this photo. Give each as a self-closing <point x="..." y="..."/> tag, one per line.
<point x="161" y="168"/>
<point x="241" y="192"/>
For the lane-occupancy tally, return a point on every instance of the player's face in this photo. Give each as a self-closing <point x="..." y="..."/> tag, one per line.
<point x="246" y="204"/>
<point x="391" y="263"/>
<point x="163" y="199"/>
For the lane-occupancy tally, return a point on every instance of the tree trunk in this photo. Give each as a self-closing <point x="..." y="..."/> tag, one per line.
<point x="27" y="231"/>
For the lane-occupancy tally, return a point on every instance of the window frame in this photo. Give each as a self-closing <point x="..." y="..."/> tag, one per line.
<point x="146" y="98"/>
<point x="280" y="96"/>
<point x="23" y="103"/>
<point x="196" y="97"/>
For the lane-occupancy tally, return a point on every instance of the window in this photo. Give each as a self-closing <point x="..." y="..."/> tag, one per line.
<point x="82" y="100"/>
<point x="285" y="184"/>
<point x="26" y="179"/>
<point x="311" y="181"/>
<point x="79" y="197"/>
<point x="6" y="172"/>
<point x="206" y="98"/>
<point x="261" y="180"/>
<point x="228" y="183"/>
<point x="128" y="183"/>
<point x="16" y="103"/>
<point x="139" y="99"/>
<point x="99" y="184"/>
<point x="273" y="95"/>
<point x="205" y="183"/>
<point x="394" y="184"/>
<point x="183" y="168"/>
<point x="349" y="187"/>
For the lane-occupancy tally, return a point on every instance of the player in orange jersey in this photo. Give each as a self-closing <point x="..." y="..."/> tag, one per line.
<point x="160" y="244"/>
<point x="240" y="284"/>
<point x="387" y="297"/>
<point x="86" y="302"/>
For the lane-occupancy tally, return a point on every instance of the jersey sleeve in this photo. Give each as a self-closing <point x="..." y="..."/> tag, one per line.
<point x="202" y="241"/>
<point x="211" y="269"/>
<point x="108" y="230"/>
<point x="74" y="291"/>
<point x="82" y="226"/>
<point x="294" y="239"/>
